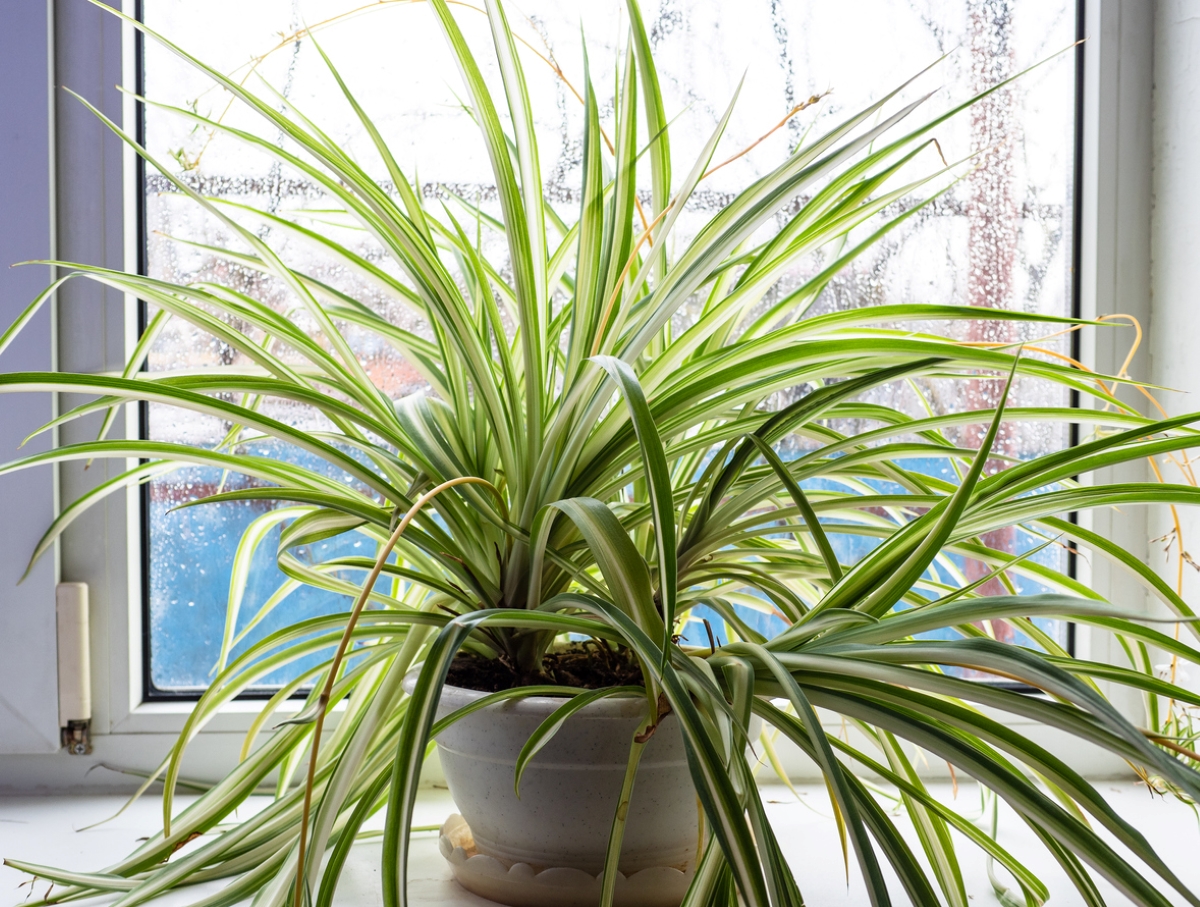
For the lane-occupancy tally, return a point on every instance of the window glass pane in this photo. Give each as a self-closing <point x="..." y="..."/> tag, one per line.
<point x="1000" y="237"/>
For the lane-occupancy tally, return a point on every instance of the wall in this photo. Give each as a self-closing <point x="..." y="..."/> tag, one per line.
<point x="28" y="672"/>
<point x="1174" y="330"/>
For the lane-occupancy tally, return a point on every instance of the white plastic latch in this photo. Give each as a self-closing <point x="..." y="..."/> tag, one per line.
<point x="74" y="668"/>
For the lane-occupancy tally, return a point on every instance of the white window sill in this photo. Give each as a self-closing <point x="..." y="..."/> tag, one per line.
<point x="42" y="830"/>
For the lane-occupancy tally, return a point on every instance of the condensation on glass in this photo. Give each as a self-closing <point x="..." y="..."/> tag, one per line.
<point x="999" y="237"/>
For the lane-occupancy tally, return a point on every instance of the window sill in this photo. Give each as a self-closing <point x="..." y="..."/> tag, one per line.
<point x="49" y="830"/>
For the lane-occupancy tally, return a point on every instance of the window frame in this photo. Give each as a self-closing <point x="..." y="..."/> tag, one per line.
<point x="97" y="201"/>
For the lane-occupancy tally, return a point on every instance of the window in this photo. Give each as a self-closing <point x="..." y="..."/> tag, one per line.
<point x="98" y="192"/>
<point x="1003" y="237"/>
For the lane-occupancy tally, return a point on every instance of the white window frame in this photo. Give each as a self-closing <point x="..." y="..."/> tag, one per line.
<point x="1115" y="273"/>
<point x="97" y="195"/>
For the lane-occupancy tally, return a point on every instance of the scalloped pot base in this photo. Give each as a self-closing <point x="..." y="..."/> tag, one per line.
<point x="523" y="885"/>
<point x="557" y="829"/>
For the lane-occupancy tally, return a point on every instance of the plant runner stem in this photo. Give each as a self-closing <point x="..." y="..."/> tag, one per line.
<point x="331" y="678"/>
<point x="1170" y="744"/>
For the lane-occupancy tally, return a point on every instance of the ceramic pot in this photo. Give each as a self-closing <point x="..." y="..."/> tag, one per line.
<point x="570" y="789"/>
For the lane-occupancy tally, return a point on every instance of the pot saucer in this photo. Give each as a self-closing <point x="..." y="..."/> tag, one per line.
<point x="524" y="885"/>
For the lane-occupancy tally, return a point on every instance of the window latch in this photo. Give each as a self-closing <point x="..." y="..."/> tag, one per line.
<point x="77" y="738"/>
<point x="74" y="668"/>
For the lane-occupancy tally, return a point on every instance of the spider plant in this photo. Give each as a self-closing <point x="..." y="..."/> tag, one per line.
<point x="588" y="462"/>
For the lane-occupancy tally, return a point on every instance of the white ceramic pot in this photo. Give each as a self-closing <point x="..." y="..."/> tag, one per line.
<point x="570" y="789"/>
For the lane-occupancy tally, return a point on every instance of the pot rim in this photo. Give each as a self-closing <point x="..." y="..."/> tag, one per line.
<point x="621" y="706"/>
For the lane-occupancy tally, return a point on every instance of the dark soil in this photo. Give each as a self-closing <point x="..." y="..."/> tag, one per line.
<point x="590" y="666"/>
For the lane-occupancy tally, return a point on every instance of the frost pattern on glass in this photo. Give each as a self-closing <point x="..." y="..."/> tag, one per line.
<point x="1000" y="237"/>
